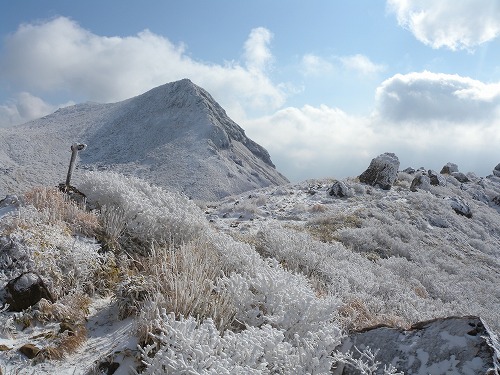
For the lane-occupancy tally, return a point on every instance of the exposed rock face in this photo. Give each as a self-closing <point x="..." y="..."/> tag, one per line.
<point x="382" y="172"/>
<point x="455" y="345"/>
<point x="338" y="189"/>
<point x="25" y="291"/>
<point x="449" y="168"/>
<point x="436" y="178"/>
<point x="496" y="171"/>
<point x="459" y="206"/>
<point x="421" y="181"/>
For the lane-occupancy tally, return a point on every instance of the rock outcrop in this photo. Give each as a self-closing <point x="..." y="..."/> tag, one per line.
<point x="454" y="345"/>
<point x="496" y="171"/>
<point x="421" y="181"/>
<point x="449" y="168"/>
<point x="460" y="206"/>
<point x="382" y="172"/>
<point x="25" y="291"/>
<point x="338" y="189"/>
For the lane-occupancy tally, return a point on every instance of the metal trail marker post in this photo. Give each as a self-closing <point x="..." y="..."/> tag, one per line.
<point x="75" y="147"/>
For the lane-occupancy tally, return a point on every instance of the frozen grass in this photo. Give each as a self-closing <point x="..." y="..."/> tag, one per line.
<point x="276" y="300"/>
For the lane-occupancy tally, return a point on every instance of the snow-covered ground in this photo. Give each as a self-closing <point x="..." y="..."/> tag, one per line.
<point x="262" y="281"/>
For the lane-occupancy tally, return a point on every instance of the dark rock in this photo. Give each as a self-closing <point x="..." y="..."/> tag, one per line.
<point x="338" y="189"/>
<point x="421" y="181"/>
<point x="496" y="200"/>
<point x="455" y="345"/>
<point x="65" y="326"/>
<point x="436" y="178"/>
<point x="25" y="291"/>
<point x="460" y="177"/>
<point x="108" y="368"/>
<point x="382" y="172"/>
<point x="496" y="171"/>
<point x="73" y="193"/>
<point x="10" y="201"/>
<point x="449" y="168"/>
<point x="29" y="350"/>
<point x="409" y="170"/>
<point x="460" y="206"/>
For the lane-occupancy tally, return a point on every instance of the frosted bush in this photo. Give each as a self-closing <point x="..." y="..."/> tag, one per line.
<point x="47" y="247"/>
<point x="277" y="297"/>
<point x="187" y="346"/>
<point x="150" y="212"/>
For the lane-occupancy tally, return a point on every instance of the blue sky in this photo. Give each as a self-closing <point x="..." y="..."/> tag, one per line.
<point x="324" y="85"/>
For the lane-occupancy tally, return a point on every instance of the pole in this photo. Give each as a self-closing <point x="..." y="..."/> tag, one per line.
<point x="75" y="147"/>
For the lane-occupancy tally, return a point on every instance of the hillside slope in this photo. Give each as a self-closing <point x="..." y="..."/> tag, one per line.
<point x="266" y="281"/>
<point x="175" y="135"/>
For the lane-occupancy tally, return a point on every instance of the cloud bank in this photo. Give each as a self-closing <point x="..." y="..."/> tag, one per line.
<point x="456" y="25"/>
<point x="59" y="56"/>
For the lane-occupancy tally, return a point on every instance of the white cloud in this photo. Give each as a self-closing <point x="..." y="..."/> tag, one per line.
<point x="432" y="97"/>
<point x="315" y="65"/>
<point x="427" y="119"/>
<point x="361" y="64"/>
<point x="257" y="53"/>
<point x="25" y="107"/>
<point x="453" y="24"/>
<point x="60" y="56"/>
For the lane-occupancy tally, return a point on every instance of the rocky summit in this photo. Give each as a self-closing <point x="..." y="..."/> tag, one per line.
<point x="175" y="135"/>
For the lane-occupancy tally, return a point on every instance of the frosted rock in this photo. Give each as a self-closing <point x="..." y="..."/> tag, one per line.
<point x="459" y="206"/>
<point x="382" y="172"/>
<point x="421" y="181"/>
<point x="436" y="178"/>
<point x="496" y="171"/>
<point x="460" y="176"/>
<point x="454" y="345"/>
<point x="25" y="291"/>
<point x="449" y="168"/>
<point x="338" y="189"/>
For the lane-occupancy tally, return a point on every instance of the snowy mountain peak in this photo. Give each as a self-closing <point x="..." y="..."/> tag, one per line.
<point x="175" y="135"/>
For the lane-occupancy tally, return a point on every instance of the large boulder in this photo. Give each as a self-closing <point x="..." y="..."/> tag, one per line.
<point x="382" y="172"/>
<point x="496" y="171"/>
<point x="436" y="178"/>
<point x="460" y="177"/>
<point x="25" y="291"/>
<point x="454" y="345"/>
<point x="449" y="168"/>
<point x="421" y="181"/>
<point x="338" y="189"/>
<point x="460" y="206"/>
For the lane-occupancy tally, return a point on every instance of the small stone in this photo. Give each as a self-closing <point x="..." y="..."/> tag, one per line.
<point x="29" y="350"/>
<point x="4" y="348"/>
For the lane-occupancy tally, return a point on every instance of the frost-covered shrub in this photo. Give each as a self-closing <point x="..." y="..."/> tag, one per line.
<point x="182" y="280"/>
<point x="277" y="297"/>
<point x="56" y="207"/>
<point x="150" y="212"/>
<point x="188" y="346"/>
<point x="65" y="262"/>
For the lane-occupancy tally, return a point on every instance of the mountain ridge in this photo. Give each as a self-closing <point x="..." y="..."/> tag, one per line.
<point x="175" y="135"/>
